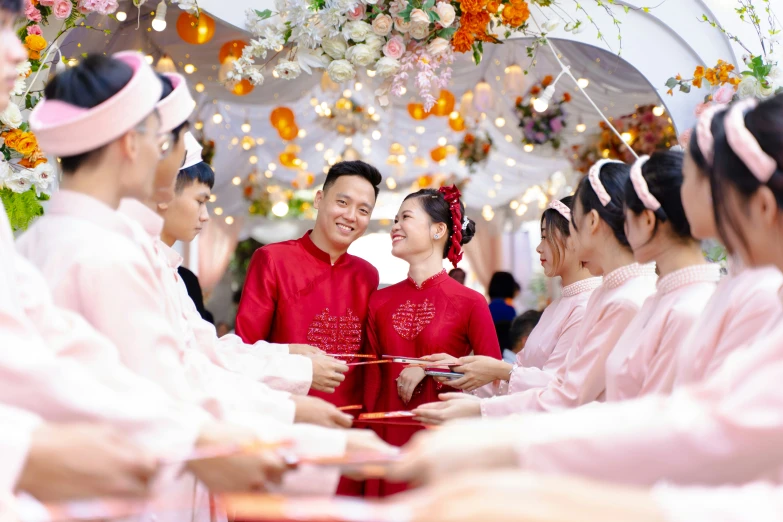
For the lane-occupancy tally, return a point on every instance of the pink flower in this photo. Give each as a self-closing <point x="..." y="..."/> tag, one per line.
<point x="394" y="48"/>
<point x="34" y="29"/>
<point x="103" y="7"/>
<point x="31" y="12"/>
<point x="723" y="95"/>
<point x="62" y="9"/>
<point x="556" y="125"/>
<point x="357" y="13"/>
<point x="47" y="3"/>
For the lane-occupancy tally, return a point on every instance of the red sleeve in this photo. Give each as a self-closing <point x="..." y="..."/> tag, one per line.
<point x="372" y="372"/>
<point x="259" y="299"/>
<point x="481" y="332"/>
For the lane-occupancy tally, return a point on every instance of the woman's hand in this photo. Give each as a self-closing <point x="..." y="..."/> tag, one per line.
<point x="479" y="371"/>
<point x="453" y="407"/>
<point x="441" y="358"/>
<point x="409" y="378"/>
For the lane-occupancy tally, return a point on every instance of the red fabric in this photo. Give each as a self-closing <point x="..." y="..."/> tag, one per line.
<point x="293" y="294"/>
<point x="451" y="195"/>
<point x="442" y="316"/>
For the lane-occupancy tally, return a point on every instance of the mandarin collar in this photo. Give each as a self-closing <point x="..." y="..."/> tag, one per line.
<point x="617" y="277"/>
<point x="430" y="281"/>
<point x="172" y="256"/>
<point x="316" y="252"/>
<point x="585" y="285"/>
<point x="76" y="204"/>
<point x="150" y="221"/>
<point x="706" y="273"/>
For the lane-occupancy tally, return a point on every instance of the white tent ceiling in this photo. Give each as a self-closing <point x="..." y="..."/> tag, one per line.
<point x="614" y="85"/>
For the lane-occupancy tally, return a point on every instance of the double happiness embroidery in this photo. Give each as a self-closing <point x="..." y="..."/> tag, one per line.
<point x="336" y="334"/>
<point x="410" y="320"/>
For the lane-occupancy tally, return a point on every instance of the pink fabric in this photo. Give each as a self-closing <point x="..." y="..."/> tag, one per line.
<point x="642" y="362"/>
<point x="744" y="144"/>
<point x="65" y="130"/>
<point x="485" y="252"/>
<point x="176" y="108"/>
<point x="740" y="307"/>
<point x="547" y="346"/>
<point x="594" y="175"/>
<point x="582" y="379"/>
<point x="561" y="207"/>
<point x="15" y="438"/>
<point x="193" y="151"/>
<point x="263" y="361"/>
<point x="640" y="185"/>
<point x="759" y="502"/>
<point x="704" y="138"/>
<point x="216" y="245"/>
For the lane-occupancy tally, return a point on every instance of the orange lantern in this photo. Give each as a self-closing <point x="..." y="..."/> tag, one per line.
<point x="289" y="133"/>
<point x="289" y="159"/>
<point x="438" y="154"/>
<point x="232" y="48"/>
<point x="444" y="104"/>
<point x="417" y="112"/>
<point x="196" y="30"/>
<point x="243" y="87"/>
<point x="281" y="117"/>
<point x="457" y="124"/>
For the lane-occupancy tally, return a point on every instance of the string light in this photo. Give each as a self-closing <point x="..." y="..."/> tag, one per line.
<point x="218" y="211"/>
<point x="237" y="180"/>
<point x="121" y="16"/>
<point x="500" y="122"/>
<point x="658" y="110"/>
<point x="189" y="68"/>
<point x="583" y="83"/>
<point x="229" y="220"/>
<point x="199" y="87"/>
<point x="159" y="22"/>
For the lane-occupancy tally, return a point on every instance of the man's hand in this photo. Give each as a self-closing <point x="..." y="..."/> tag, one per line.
<point x="312" y="410"/>
<point x="327" y="373"/>
<point x="71" y="461"/>
<point x="243" y="472"/>
<point x="303" y="349"/>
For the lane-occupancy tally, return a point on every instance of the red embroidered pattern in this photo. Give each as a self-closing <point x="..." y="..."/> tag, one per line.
<point x="409" y="320"/>
<point x="336" y="334"/>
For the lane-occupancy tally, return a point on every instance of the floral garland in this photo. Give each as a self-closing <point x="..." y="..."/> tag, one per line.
<point x="763" y="77"/>
<point x="474" y="150"/>
<point x="541" y="128"/>
<point x="396" y="40"/>
<point x="645" y="133"/>
<point x="25" y="174"/>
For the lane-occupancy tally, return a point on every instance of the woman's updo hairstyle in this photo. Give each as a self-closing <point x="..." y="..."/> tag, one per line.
<point x="758" y="136"/>
<point x="663" y="175"/>
<point x="613" y="176"/>
<point x="556" y="228"/>
<point x="437" y="208"/>
<point x="93" y="81"/>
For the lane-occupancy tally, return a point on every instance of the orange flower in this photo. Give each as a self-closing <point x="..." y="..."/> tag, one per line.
<point x="34" y="55"/>
<point x="476" y="23"/>
<point x="547" y="81"/>
<point x="711" y="76"/>
<point x="35" y="42"/>
<point x="472" y="6"/>
<point x="535" y="90"/>
<point x="27" y="144"/>
<point x="493" y="6"/>
<point x="30" y="163"/>
<point x="462" y="41"/>
<point x="515" y="15"/>
<point x="734" y="80"/>
<point x="518" y="101"/>
<point x="12" y="137"/>
<point x="469" y="138"/>
<point x="566" y="96"/>
<point x="485" y="148"/>
<point x="678" y="77"/>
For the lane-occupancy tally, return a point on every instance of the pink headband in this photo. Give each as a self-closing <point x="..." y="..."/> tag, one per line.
<point x="66" y="130"/>
<point x="640" y="185"/>
<point x="595" y="181"/>
<point x="176" y="108"/>
<point x="704" y="138"/>
<point x="192" y="151"/>
<point x="561" y="207"/>
<point x="744" y="145"/>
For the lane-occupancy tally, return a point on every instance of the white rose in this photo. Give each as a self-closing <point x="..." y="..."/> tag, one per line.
<point x="401" y="25"/>
<point x="438" y="46"/>
<point x="335" y="47"/>
<point x="11" y="116"/>
<point x="18" y="182"/>
<point x="382" y="25"/>
<point x="42" y="176"/>
<point x="419" y="17"/>
<point x="747" y="87"/>
<point x="375" y="42"/>
<point x="387" y="67"/>
<point x="775" y="76"/>
<point x="446" y="13"/>
<point x="420" y="31"/>
<point x="341" y="71"/>
<point x="357" y="31"/>
<point x="288" y="70"/>
<point x="361" y="55"/>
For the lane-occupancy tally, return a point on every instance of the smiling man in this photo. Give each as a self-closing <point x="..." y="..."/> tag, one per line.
<point x="310" y="290"/>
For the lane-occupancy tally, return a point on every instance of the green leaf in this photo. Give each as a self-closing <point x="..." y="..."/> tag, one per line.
<point x="434" y="17"/>
<point x="447" y="33"/>
<point x="24" y="127"/>
<point x="266" y="13"/>
<point x="476" y="54"/>
<point x="627" y="9"/>
<point x="429" y="4"/>
<point x="671" y="83"/>
<point x="405" y="14"/>
<point x="21" y="208"/>
<point x="684" y="87"/>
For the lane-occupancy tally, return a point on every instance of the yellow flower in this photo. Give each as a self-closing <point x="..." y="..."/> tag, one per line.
<point x="711" y="76"/>
<point x="35" y="42"/>
<point x="27" y="144"/>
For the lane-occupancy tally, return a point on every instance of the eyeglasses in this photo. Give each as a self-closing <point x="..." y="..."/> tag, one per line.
<point x="164" y="140"/>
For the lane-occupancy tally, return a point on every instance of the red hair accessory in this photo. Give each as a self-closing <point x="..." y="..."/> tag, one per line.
<point x="451" y="195"/>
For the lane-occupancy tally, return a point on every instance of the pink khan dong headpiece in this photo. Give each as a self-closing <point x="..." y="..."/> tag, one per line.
<point x="560" y="207"/>
<point x="640" y="185"/>
<point x="192" y="151"/>
<point x="744" y="145"/>
<point x="176" y="108"/>
<point x="66" y="130"/>
<point x="595" y="181"/>
<point x="704" y="138"/>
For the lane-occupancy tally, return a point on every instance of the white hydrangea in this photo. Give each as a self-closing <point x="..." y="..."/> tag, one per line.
<point x="42" y="177"/>
<point x="19" y="182"/>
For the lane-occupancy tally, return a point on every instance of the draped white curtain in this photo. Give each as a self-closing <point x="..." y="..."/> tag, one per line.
<point x="216" y="245"/>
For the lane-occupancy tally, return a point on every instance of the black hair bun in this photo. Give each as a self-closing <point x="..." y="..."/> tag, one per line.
<point x="468" y="232"/>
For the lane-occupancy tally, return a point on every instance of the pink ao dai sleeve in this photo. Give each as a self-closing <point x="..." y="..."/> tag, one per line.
<point x="15" y="439"/>
<point x="582" y="378"/>
<point x="757" y="502"/>
<point x="642" y="362"/>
